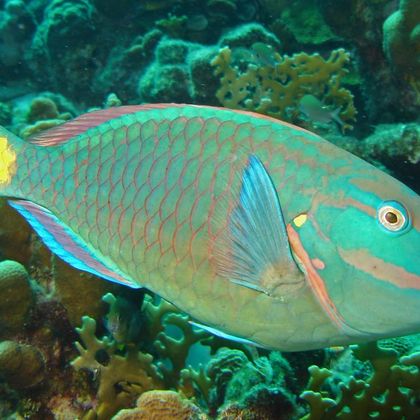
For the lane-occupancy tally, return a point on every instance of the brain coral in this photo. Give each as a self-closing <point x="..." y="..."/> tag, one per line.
<point x="15" y="298"/>
<point x="155" y="405"/>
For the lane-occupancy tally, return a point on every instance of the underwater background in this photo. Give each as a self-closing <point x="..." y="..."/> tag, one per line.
<point x="74" y="346"/>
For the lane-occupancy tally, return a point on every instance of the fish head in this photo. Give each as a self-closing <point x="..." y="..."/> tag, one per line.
<point x="359" y="247"/>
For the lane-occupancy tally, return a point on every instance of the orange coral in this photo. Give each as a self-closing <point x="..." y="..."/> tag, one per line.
<point x="168" y="405"/>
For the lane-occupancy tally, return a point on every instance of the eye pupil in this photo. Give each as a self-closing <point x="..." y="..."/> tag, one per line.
<point x="391" y="217"/>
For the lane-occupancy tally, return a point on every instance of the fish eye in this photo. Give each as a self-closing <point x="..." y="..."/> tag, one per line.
<point x="393" y="216"/>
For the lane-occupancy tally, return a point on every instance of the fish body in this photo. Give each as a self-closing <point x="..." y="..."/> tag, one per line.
<point x="314" y="109"/>
<point x="258" y="229"/>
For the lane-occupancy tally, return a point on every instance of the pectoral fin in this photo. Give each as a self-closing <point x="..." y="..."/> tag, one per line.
<point x="255" y="252"/>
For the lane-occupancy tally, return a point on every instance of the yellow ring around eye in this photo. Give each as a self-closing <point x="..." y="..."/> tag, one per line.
<point x="391" y="218"/>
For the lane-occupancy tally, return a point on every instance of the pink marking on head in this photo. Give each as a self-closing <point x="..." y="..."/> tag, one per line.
<point x="318" y="264"/>
<point x="315" y="280"/>
<point x="382" y="270"/>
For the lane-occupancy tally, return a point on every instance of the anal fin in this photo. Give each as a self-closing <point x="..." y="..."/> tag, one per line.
<point x="67" y="245"/>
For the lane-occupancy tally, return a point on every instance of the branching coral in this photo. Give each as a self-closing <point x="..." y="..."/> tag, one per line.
<point x="126" y="369"/>
<point x="275" y="86"/>
<point x="121" y="377"/>
<point x="176" y="350"/>
<point x="389" y="392"/>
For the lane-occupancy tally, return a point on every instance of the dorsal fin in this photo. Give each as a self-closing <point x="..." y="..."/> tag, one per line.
<point x="80" y="124"/>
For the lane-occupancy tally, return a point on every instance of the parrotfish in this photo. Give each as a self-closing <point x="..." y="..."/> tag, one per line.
<point x="261" y="231"/>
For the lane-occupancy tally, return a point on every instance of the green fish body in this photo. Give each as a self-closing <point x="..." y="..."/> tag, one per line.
<point x="258" y="229"/>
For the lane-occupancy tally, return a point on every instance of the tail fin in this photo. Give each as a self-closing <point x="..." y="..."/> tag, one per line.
<point x="10" y="146"/>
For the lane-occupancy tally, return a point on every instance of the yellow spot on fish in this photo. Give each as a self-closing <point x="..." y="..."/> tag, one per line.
<point x="7" y="161"/>
<point x="300" y="220"/>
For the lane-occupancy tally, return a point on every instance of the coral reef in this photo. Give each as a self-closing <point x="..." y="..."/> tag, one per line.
<point x="67" y="281"/>
<point x="66" y="22"/>
<point x="15" y="236"/>
<point x="121" y="377"/>
<point x="389" y="392"/>
<point x="261" y="384"/>
<point x="16" y="25"/>
<point x="401" y="40"/>
<point x="275" y="88"/>
<point x="43" y="114"/>
<point x="21" y="365"/>
<point x="395" y="148"/>
<point x="303" y="23"/>
<point x="125" y="368"/>
<point x="168" y="78"/>
<point x="162" y="405"/>
<point x="360" y="24"/>
<point x="16" y="298"/>
<point x="233" y="379"/>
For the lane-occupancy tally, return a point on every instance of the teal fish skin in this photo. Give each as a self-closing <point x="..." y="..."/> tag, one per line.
<point x="152" y="191"/>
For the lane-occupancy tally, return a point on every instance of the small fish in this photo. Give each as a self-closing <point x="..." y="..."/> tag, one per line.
<point x="259" y="54"/>
<point x="265" y="54"/>
<point x="261" y="231"/>
<point x="123" y="320"/>
<point x="315" y="110"/>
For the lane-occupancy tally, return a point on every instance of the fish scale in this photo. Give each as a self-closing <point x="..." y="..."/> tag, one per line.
<point x="157" y="195"/>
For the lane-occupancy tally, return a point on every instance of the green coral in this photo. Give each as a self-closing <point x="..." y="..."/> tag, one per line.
<point x="401" y="40"/>
<point x="275" y="86"/>
<point x="303" y="19"/>
<point x="390" y="391"/>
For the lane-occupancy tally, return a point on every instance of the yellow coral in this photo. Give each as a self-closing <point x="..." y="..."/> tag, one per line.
<point x="275" y="88"/>
<point x="122" y="377"/>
